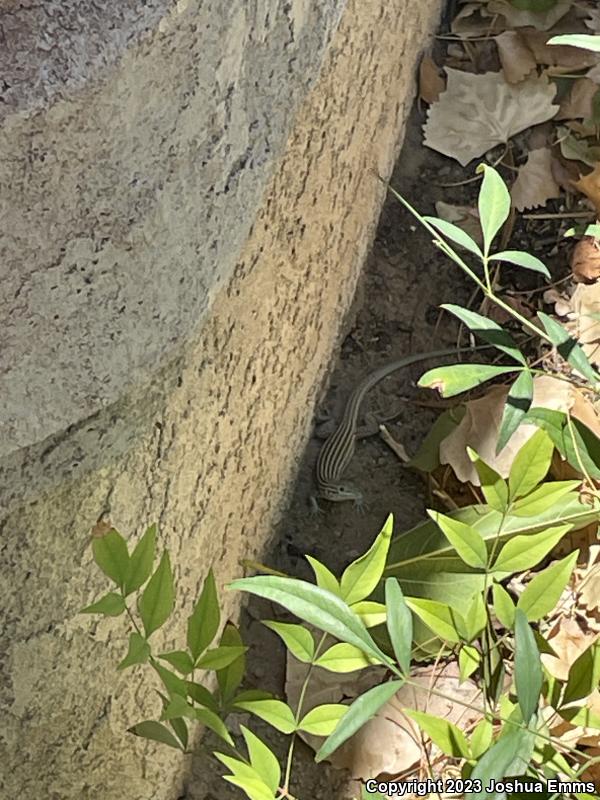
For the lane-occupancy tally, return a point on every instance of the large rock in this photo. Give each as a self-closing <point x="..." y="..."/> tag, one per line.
<point x="188" y="193"/>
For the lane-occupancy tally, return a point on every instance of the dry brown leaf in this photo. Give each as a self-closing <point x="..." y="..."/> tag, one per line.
<point x="578" y="103"/>
<point x="593" y="20"/>
<point x="390" y="743"/>
<point x="465" y="217"/>
<point x="481" y="423"/>
<point x="515" y="18"/>
<point x="560" y="302"/>
<point x="535" y="184"/>
<point x="478" y="112"/>
<point x="561" y="56"/>
<point x="474" y="20"/>
<point x="594" y="74"/>
<point x="590" y="582"/>
<point x="589" y="185"/>
<point x="431" y="83"/>
<point x="585" y="261"/>
<point x="516" y="58"/>
<point x="569" y="641"/>
<point x="585" y="325"/>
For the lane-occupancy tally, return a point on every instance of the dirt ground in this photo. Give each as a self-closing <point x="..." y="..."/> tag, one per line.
<point x="395" y="313"/>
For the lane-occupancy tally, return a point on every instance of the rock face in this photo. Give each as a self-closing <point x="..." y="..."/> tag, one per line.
<point x="188" y="193"/>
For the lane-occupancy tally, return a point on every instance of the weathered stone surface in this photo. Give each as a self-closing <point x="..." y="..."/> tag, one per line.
<point x="204" y="434"/>
<point x="157" y="127"/>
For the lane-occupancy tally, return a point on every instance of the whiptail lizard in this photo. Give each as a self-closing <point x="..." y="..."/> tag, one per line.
<point x="337" y="452"/>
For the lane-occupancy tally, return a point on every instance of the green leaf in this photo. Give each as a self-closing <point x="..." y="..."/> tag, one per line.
<point x="262" y="759"/>
<point x="493" y="486"/>
<point x="467" y="542"/>
<point x="324" y="576"/>
<point x="488" y="330"/>
<point x="584" y="717"/>
<point x="437" y="616"/>
<point x="582" y="40"/>
<point x="455" y="234"/>
<point x="138" y="652"/>
<point x="575" y="442"/>
<point x="543" y="498"/>
<point x="157" y="600"/>
<point x="110" y="554"/>
<point x="427" y="566"/>
<point x="493" y="204"/>
<point x="298" y="640"/>
<point x="370" y="613"/>
<point x="481" y="738"/>
<point x="504" y="607"/>
<point x="544" y="591"/>
<point x="230" y="677"/>
<point x="468" y="661"/>
<point x="220" y="657"/>
<point x="322" y="720"/>
<point x="568" y="347"/>
<point x="204" y="621"/>
<point x="142" y="558"/>
<point x="528" y="667"/>
<point x="246" y="777"/>
<point x="363" y="575"/>
<point x="510" y="755"/>
<point x="316" y="606"/>
<point x="427" y="457"/>
<point x="180" y="660"/>
<point x="156" y="732"/>
<point x="176" y="707"/>
<point x="584" y="675"/>
<point x="181" y="731"/>
<point x="275" y="712"/>
<point x="201" y="695"/>
<point x="343" y="657"/>
<point x="361" y="711"/>
<point x="212" y="720"/>
<point x="471" y="623"/>
<point x="111" y="605"/>
<point x="399" y="623"/>
<point x="457" y="378"/>
<point x="525" y="552"/>
<point x="173" y="683"/>
<point x="530" y="465"/>
<point x="522" y="259"/>
<point x="518" y="403"/>
<point x="447" y="736"/>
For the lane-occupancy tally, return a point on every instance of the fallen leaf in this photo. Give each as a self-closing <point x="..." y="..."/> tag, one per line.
<point x="564" y="172"/>
<point x="480" y="425"/>
<point x="542" y="20"/>
<point x="594" y="74"/>
<point x="585" y="325"/>
<point x="559" y="56"/>
<point x="585" y="261"/>
<point x="589" y="185"/>
<point x="576" y="149"/>
<point x="431" y="83"/>
<point x="465" y="217"/>
<point x="478" y="112"/>
<point x="569" y="641"/>
<point x="560" y="302"/>
<point x="474" y="20"/>
<point x="516" y="58"/>
<point x="578" y="103"/>
<point x="593" y="19"/>
<point x="535" y="184"/>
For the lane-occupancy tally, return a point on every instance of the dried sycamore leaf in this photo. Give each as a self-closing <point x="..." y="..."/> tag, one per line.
<point x="564" y="173"/>
<point x="560" y="56"/>
<point x="589" y="185"/>
<point x="542" y="20"/>
<point x="535" y="184"/>
<point x="390" y="743"/>
<point x="480" y="426"/>
<point x="561" y="303"/>
<point x="585" y="303"/>
<point x="593" y="20"/>
<point x="585" y="261"/>
<point x="431" y="83"/>
<point x="474" y="20"/>
<point x="569" y="641"/>
<point x="594" y="74"/>
<point x="516" y="58"/>
<point x="465" y="217"/>
<point x="478" y="112"/>
<point x="578" y="103"/>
